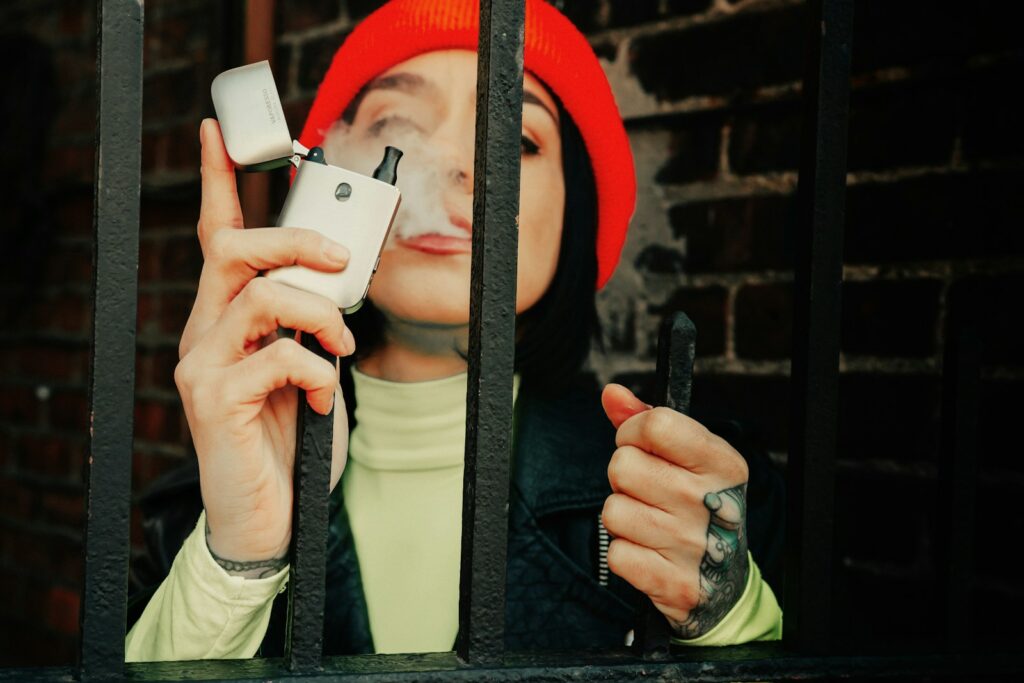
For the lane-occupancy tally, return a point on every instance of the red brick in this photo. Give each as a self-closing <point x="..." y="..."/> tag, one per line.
<point x="52" y="456"/>
<point x="63" y="509"/>
<point x="70" y="163"/>
<point x="155" y="421"/>
<point x="16" y="499"/>
<point x="69" y="410"/>
<point x="706" y="307"/>
<point x="62" y="609"/>
<point x="19" y="404"/>
<point x="175" y="309"/>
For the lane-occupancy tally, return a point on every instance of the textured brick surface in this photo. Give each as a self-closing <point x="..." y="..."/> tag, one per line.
<point x="710" y="93"/>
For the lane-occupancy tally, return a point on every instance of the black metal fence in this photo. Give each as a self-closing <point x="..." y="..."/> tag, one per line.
<point x="804" y="653"/>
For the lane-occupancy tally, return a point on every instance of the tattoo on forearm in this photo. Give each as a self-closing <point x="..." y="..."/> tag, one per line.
<point x="256" y="569"/>
<point x="723" y="571"/>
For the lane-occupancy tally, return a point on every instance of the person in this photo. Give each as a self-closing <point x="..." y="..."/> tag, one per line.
<point x="610" y="498"/>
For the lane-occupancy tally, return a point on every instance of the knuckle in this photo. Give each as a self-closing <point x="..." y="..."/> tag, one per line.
<point x="285" y="350"/>
<point x="259" y="293"/>
<point x="660" y="423"/>
<point x="184" y="376"/>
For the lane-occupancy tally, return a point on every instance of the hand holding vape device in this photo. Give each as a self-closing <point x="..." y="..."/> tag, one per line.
<point x="349" y="208"/>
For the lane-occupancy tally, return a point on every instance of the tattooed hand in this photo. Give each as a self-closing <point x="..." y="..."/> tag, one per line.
<point x="677" y="512"/>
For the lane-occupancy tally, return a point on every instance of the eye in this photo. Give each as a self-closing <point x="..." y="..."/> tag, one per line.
<point x="392" y="120"/>
<point x="529" y="147"/>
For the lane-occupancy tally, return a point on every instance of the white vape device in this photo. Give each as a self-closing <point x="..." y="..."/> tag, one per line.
<point x="350" y="208"/>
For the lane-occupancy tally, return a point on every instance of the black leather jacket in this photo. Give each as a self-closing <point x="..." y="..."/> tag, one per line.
<point x="555" y="598"/>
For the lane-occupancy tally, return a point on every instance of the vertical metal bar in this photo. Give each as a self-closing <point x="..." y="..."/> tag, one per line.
<point x="112" y="367"/>
<point x="677" y="348"/>
<point x="258" y="45"/>
<point x="492" y="331"/>
<point x="961" y="379"/>
<point x="314" y="436"/>
<point x="816" y="325"/>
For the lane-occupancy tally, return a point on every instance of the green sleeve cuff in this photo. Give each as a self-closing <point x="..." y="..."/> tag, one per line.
<point x="755" y="616"/>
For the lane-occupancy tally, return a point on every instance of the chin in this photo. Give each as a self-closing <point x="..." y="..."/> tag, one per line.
<point x="428" y="288"/>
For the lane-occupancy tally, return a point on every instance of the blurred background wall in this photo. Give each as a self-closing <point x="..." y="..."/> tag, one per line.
<point x="710" y="93"/>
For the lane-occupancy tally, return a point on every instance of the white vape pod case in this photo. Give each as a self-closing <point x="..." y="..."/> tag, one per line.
<point x="349" y="208"/>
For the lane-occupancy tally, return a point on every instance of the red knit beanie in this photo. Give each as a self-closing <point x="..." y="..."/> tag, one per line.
<point x="555" y="52"/>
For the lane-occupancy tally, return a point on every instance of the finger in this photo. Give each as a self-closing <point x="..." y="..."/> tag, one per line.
<point x="650" y="573"/>
<point x="220" y="209"/>
<point x="234" y="257"/>
<point x="262" y="307"/>
<point x="621" y="404"/>
<point x="652" y="480"/>
<point x="677" y="539"/>
<point x="278" y="365"/>
<point x="677" y="438"/>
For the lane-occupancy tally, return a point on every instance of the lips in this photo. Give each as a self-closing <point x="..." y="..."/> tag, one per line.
<point x="442" y="245"/>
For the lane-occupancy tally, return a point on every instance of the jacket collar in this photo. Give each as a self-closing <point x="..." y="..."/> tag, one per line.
<point x="562" y="447"/>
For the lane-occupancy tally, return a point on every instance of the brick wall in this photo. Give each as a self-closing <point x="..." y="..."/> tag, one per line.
<point x="709" y="90"/>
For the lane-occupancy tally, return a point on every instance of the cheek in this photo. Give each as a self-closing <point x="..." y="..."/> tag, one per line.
<point x="541" y="210"/>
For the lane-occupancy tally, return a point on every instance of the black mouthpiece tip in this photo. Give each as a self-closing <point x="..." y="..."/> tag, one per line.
<point x="387" y="172"/>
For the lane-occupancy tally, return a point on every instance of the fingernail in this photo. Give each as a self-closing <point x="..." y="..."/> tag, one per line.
<point x="335" y="252"/>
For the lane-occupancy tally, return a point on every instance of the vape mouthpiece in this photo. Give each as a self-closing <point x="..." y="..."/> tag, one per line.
<point x="387" y="172"/>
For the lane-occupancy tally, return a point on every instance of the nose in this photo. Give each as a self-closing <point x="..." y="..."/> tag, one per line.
<point x="455" y="142"/>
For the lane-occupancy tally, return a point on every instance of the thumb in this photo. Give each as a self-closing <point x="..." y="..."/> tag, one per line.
<point x="220" y="208"/>
<point x="620" y="404"/>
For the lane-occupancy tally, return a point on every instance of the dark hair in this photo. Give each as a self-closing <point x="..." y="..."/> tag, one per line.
<point x="553" y="336"/>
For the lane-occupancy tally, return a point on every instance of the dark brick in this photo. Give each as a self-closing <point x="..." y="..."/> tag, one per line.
<point x="910" y="620"/>
<point x="999" y="411"/>
<point x="865" y="533"/>
<point x="998" y="516"/>
<point x="761" y="403"/>
<point x="935" y="217"/>
<point x="314" y="58"/>
<point x="57" y="458"/>
<point x="889" y="417"/>
<point x="660" y="260"/>
<point x="175" y="207"/>
<point x="172" y="94"/>
<point x="749" y="233"/>
<point x="722" y="58"/>
<point x="890" y="318"/>
<point x="996" y="616"/>
<point x="905" y="34"/>
<point x="707" y="308"/>
<point x="157" y="421"/>
<point x="63" y="509"/>
<point x="765" y="139"/>
<point x="181" y="35"/>
<point x="69" y="409"/>
<point x="358" y="9"/>
<point x="295" y="15"/>
<point x="764" y="321"/>
<point x="174" y="312"/>
<point x="693" y="150"/>
<point x="182" y="260"/>
<point x="901" y="125"/>
<point x="991" y="302"/>
<point x="991" y="117"/>
<point x="618" y="330"/>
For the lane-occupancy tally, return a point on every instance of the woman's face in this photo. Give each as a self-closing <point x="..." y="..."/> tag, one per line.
<point x="426" y="106"/>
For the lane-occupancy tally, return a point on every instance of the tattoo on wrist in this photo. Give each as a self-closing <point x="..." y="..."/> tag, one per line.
<point x="255" y="569"/>
<point x="723" y="570"/>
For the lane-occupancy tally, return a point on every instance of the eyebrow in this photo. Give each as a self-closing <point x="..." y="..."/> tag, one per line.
<point x="530" y="98"/>
<point x="414" y="84"/>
